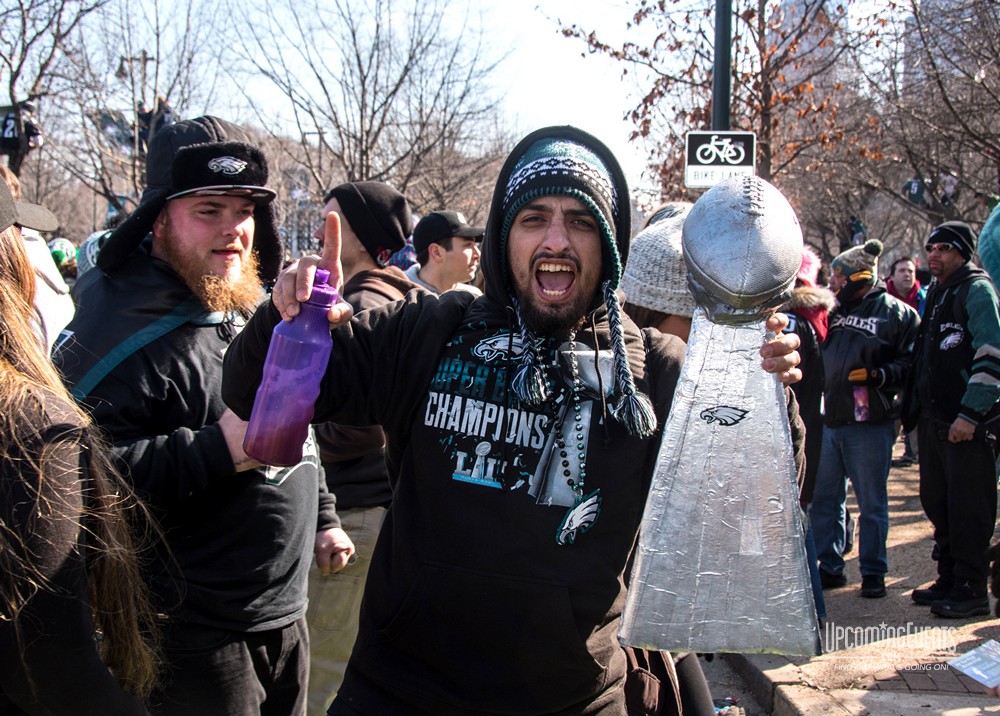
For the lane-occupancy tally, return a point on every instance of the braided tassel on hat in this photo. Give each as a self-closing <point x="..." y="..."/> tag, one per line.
<point x="529" y="381"/>
<point x="632" y="408"/>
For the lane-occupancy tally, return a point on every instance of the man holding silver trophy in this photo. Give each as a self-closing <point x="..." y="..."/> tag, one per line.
<point x="522" y="430"/>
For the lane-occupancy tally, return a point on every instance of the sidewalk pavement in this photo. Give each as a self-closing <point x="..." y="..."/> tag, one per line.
<point x="882" y="657"/>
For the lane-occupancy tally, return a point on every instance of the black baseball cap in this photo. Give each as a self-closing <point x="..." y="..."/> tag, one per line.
<point x="438" y="226"/>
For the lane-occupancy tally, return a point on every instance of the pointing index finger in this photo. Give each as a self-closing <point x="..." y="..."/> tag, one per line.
<point x="331" y="248"/>
<point x="329" y="260"/>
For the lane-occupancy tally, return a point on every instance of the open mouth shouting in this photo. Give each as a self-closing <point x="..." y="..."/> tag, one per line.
<point x="555" y="278"/>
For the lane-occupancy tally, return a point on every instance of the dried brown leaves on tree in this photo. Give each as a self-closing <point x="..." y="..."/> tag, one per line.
<point x="779" y="53"/>
<point x="848" y="102"/>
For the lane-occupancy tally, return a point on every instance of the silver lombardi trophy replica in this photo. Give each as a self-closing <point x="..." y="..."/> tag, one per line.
<point x="721" y="563"/>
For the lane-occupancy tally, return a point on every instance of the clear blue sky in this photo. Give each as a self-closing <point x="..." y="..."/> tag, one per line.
<point x="547" y="79"/>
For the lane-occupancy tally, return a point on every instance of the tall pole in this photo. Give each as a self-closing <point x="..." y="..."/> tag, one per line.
<point x="723" y="62"/>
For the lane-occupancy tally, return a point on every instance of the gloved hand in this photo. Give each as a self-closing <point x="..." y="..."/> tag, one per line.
<point x="867" y="376"/>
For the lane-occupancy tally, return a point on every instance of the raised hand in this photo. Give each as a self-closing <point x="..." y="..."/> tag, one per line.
<point x="295" y="283"/>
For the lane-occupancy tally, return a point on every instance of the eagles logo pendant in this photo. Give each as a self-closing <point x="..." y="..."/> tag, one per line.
<point x="579" y="519"/>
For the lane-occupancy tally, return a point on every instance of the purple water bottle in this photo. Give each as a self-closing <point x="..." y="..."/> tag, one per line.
<point x="296" y="361"/>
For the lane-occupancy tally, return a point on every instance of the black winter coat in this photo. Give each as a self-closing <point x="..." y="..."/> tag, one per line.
<point x="238" y="546"/>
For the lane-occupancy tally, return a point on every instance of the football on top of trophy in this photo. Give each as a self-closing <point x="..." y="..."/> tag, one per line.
<point x="743" y="246"/>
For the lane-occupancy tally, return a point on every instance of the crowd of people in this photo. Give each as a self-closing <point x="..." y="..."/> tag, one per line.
<point x="456" y="538"/>
<point x="900" y="358"/>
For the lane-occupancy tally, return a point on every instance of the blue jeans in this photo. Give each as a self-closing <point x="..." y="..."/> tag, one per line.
<point x="861" y="453"/>
<point x="814" y="578"/>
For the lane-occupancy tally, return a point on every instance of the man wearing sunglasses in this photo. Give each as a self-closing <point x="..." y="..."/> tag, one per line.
<point x="954" y="405"/>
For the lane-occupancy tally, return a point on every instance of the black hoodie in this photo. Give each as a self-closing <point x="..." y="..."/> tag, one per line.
<point x="480" y="600"/>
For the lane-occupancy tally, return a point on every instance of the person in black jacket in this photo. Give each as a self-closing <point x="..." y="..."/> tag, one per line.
<point x="866" y="356"/>
<point x="955" y="407"/>
<point x="520" y="444"/>
<point x="808" y="312"/>
<point x="144" y="355"/>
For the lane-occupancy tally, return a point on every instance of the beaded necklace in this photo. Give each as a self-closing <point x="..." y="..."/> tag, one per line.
<point x="580" y="446"/>
<point x="582" y="515"/>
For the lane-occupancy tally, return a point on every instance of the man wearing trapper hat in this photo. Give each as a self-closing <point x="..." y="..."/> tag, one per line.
<point x="519" y="430"/>
<point x="144" y="354"/>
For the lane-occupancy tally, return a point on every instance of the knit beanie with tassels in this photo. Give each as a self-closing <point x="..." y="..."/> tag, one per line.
<point x="567" y="166"/>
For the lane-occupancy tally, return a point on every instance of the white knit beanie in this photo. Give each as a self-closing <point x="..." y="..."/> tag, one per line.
<point x="656" y="276"/>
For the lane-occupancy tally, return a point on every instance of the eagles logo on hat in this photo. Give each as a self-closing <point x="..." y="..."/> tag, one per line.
<point x="228" y="169"/>
<point x="201" y="168"/>
<point x="227" y="165"/>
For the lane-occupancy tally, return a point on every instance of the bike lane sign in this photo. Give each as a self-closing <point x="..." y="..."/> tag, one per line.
<point x="711" y="157"/>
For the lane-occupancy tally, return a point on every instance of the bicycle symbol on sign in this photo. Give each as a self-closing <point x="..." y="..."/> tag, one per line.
<point x="720" y="149"/>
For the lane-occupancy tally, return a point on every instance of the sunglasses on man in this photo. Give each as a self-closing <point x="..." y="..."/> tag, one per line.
<point x="940" y="248"/>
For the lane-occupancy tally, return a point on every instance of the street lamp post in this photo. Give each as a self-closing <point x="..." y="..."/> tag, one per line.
<point x="303" y="235"/>
<point x="124" y="72"/>
<point x="723" y="60"/>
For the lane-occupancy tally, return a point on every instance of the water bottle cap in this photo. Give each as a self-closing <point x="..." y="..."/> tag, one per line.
<point x="322" y="293"/>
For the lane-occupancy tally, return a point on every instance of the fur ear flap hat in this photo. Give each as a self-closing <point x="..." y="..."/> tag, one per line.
<point x="195" y="157"/>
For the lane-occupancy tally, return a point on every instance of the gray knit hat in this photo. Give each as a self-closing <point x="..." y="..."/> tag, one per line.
<point x="656" y="275"/>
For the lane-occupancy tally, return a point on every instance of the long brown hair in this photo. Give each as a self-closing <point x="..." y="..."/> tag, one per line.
<point x="119" y="598"/>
